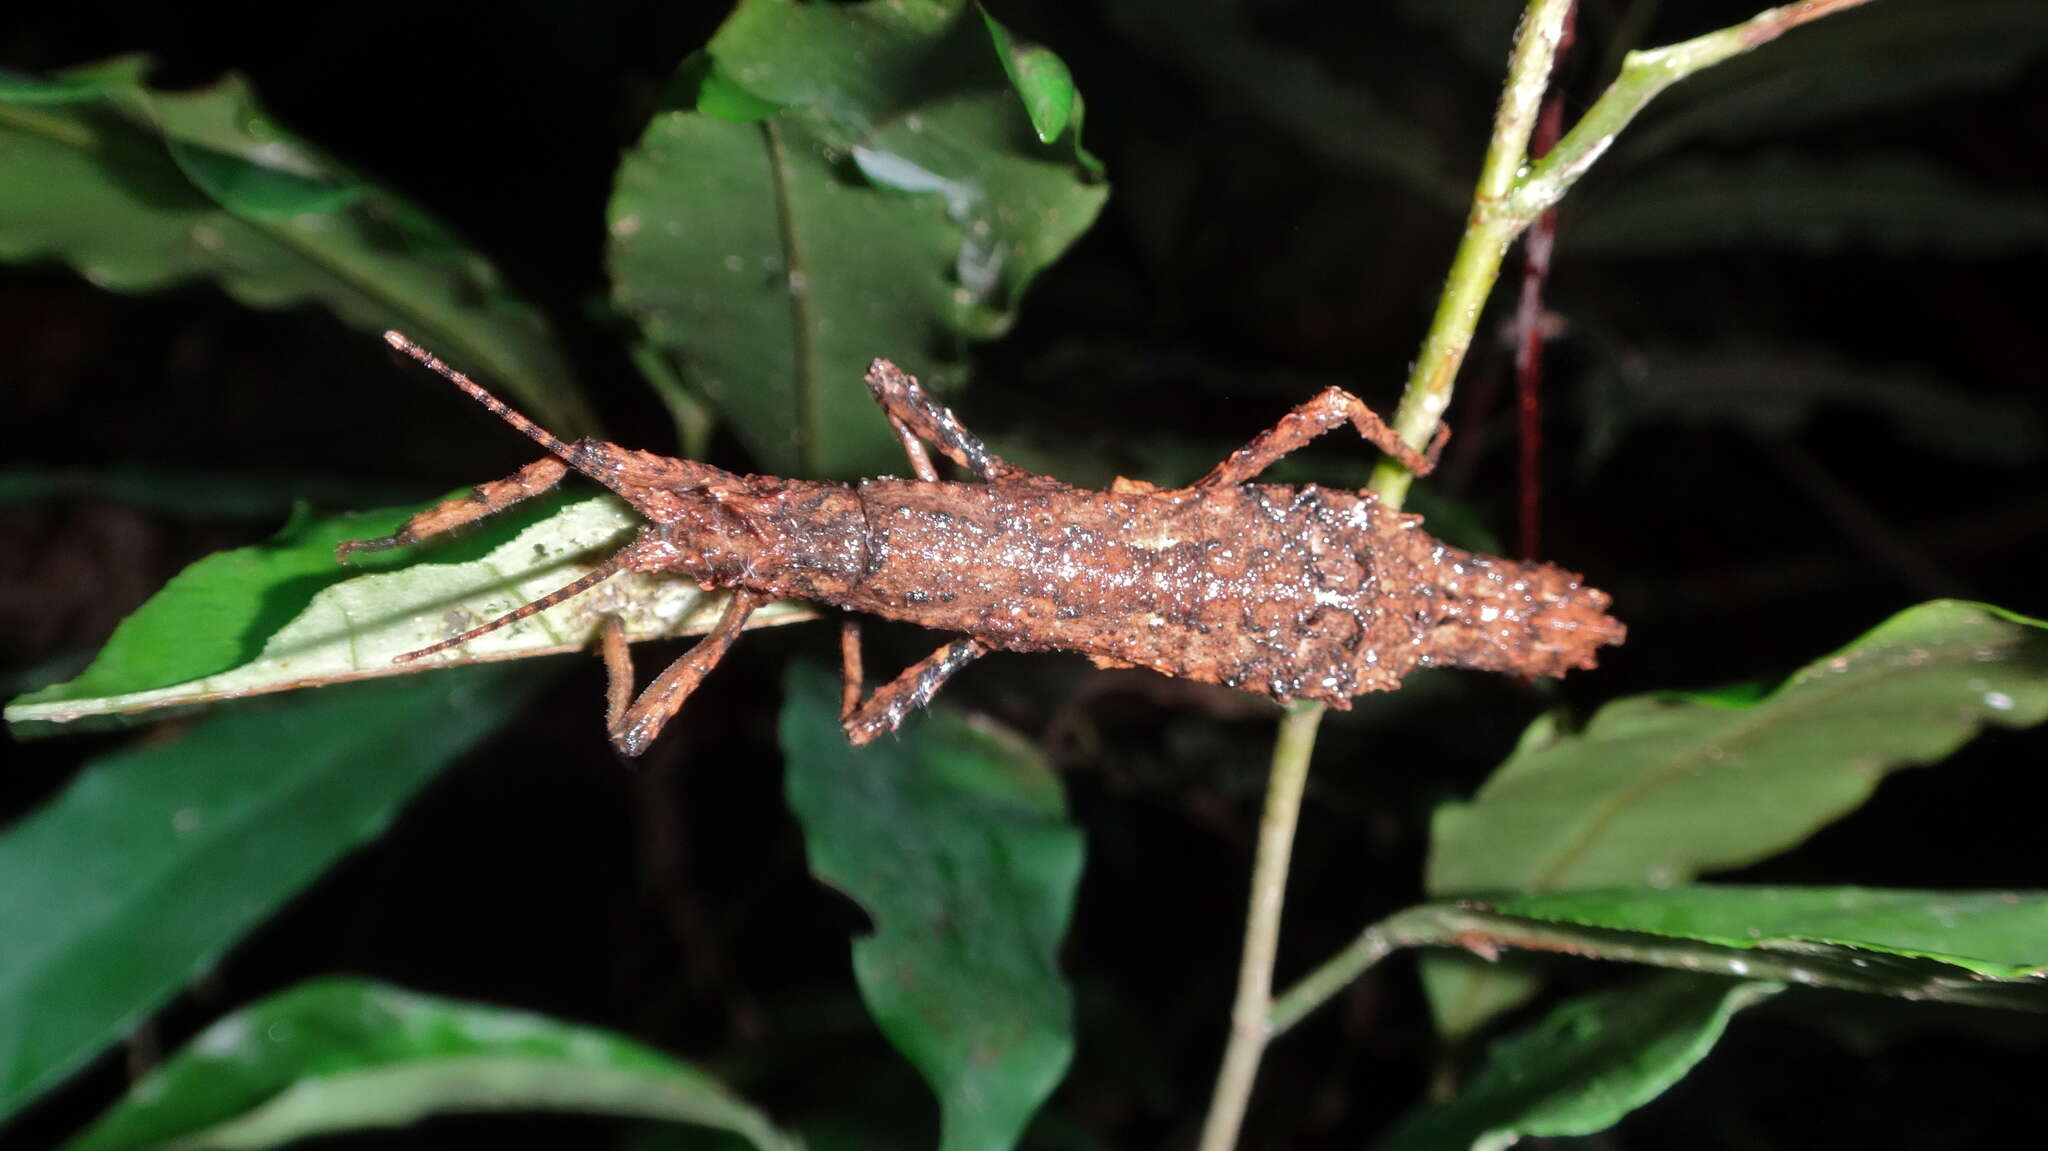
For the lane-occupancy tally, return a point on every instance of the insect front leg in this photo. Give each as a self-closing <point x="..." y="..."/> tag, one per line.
<point x="495" y="496"/>
<point x="919" y="419"/>
<point x="632" y="727"/>
<point x="886" y="709"/>
<point x="1334" y="408"/>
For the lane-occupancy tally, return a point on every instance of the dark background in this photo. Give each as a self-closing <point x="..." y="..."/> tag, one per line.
<point x="1236" y="268"/>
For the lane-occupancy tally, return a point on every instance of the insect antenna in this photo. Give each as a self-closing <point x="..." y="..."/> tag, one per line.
<point x="498" y="407"/>
<point x="596" y="575"/>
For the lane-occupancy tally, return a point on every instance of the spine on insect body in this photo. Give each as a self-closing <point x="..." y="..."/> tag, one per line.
<point x="1492" y="614"/>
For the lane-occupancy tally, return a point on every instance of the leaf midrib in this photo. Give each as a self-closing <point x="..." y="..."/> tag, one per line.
<point x="795" y="270"/>
<point x="1612" y="808"/>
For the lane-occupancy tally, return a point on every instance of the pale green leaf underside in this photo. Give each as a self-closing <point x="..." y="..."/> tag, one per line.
<point x="354" y="629"/>
<point x="344" y="1055"/>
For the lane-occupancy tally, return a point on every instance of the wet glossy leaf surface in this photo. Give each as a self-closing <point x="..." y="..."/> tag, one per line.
<point x="896" y="203"/>
<point x="954" y="836"/>
<point x="1999" y="935"/>
<point x="140" y="189"/>
<point x="1659" y="788"/>
<point x="284" y="615"/>
<point x="342" y="1054"/>
<point x="141" y="873"/>
<point x="1584" y="1066"/>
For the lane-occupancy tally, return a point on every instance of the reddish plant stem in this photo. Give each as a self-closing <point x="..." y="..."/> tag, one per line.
<point x="1529" y="324"/>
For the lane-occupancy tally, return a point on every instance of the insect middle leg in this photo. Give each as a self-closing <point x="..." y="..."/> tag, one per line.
<point x="1328" y="411"/>
<point x="495" y="496"/>
<point x="633" y="726"/>
<point x="917" y="417"/>
<point x="886" y="709"/>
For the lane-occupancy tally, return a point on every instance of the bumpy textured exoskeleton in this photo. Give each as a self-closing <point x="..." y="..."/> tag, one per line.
<point x="1286" y="591"/>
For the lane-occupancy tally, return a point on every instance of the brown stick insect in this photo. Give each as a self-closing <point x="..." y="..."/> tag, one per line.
<point x="1292" y="592"/>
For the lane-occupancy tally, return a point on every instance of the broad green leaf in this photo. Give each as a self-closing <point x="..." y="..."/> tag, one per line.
<point x="898" y="204"/>
<point x="140" y="189"/>
<point x="1774" y="391"/>
<point x="284" y="614"/>
<point x="1660" y="788"/>
<point x="345" y="1054"/>
<point x="1890" y="202"/>
<point x="1584" y="1066"/>
<point x="954" y="836"/>
<point x="154" y="861"/>
<point x="1854" y="63"/>
<point x="1998" y="935"/>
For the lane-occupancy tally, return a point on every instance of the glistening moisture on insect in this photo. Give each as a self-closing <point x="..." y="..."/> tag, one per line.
<point x="1287" y="591"/>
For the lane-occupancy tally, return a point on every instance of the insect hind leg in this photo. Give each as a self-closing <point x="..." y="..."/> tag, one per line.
<point x="1331" y="409"/>
<point x="919" y="419"/>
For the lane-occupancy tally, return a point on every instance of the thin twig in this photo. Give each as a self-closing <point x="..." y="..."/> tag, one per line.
<point x="1500" y="211"/>
<point x="1491" y="227"/>
<point x="1643" y="75"/>
<point x="1472" y="274"/>
<point x="1510" y="194"/>
<point x="1248" y="1028"/>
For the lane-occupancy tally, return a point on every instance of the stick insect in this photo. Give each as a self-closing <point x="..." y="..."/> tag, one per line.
<point x="1287" y="591"/>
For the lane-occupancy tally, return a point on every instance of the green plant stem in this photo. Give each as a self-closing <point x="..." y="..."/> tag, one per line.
<point x="1643" y="75"/>
<point x="1509" y="196"/>
<point x="1487" y="933"/>
<point x="1248" y="1029"/>
<point x="1473" y="270"/>
<point x="1490" y="228"/>
<point x="1512" y="193"/>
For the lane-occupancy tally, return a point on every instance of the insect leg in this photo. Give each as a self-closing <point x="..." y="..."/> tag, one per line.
<point x="916" y="416"/>
<point x="633" y="727"/>
<point x="497" y="495"/>
<point x="1332" y="409"/>
<point x="887" y="707"/>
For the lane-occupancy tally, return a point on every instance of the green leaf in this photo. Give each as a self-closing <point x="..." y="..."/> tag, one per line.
<point x="1774" y="391"/>
<point x="1893" y="203"/>
<point x="1043" y="83"/>
<point x="1855" y="63"/>
<point x="345" y="1054"/>
<point x="955" y="838"/>
<point x="1659" y="788"/>
<point x="1998" y="935"/>
<point x="154" y="861"/>
<point x="284" y="614"/>
<point x="139" y="189"/>
<point x="898" y="205"/>
<point x="1585" y="1065"/>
